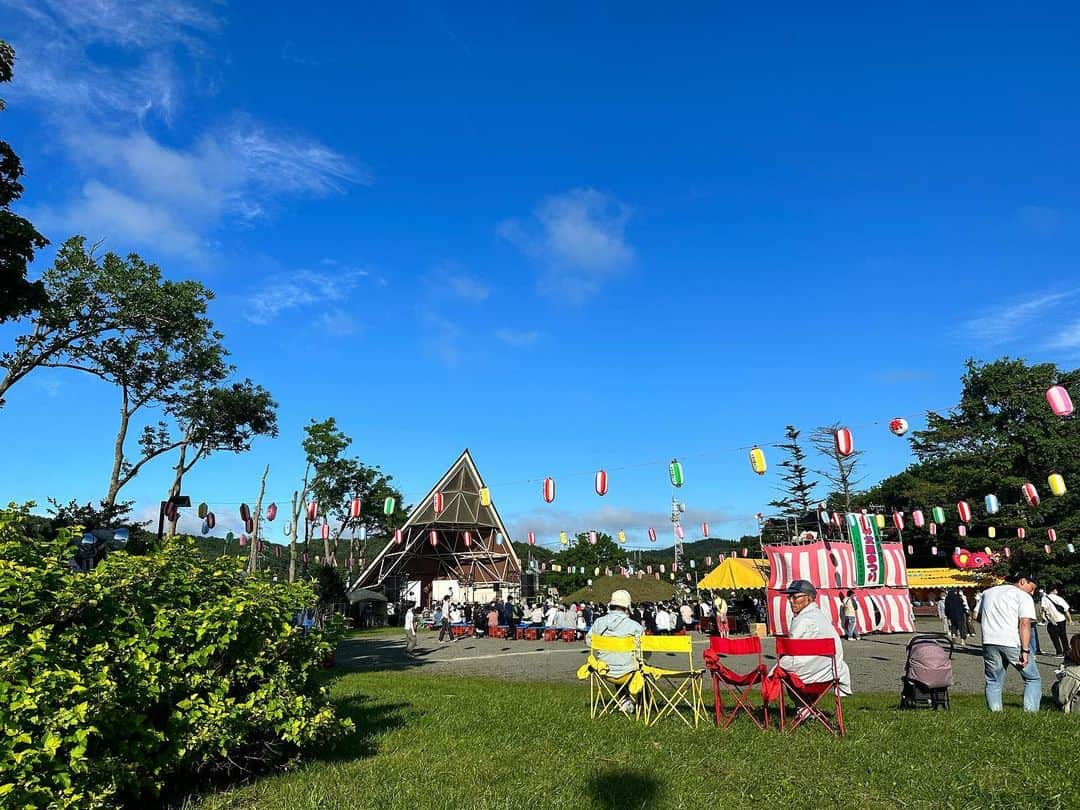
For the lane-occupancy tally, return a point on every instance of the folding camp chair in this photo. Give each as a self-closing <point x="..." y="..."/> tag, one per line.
<point x="671" y="691"/>
<point x="607" y="692"/>
<point x="738" y="685"/>
<point x="808" y="696"/>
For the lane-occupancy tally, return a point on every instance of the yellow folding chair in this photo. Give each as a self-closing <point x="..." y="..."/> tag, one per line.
<point x="671" y="691"/>
<point x="606" y="692"/>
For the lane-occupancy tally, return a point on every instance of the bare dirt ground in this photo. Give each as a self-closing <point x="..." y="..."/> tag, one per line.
<point x="876" y="662"/>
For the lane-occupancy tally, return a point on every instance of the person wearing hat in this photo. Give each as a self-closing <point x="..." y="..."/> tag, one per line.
<point x="616" y="623"/>
<point x="809" y="621"/>
<point x="1007" y="616"/>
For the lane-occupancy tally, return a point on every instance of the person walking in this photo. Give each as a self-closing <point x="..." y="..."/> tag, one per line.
<point x="849" y="609"/>
<point x="410" y="630"/>
<point x="444" y="627"/>
<point x="956" y="613"/>
<point x="1007" y="614"/>
<point x="1058" y="617"/>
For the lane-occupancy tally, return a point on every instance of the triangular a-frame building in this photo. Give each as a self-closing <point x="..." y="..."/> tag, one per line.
<point x="485" y="565"/>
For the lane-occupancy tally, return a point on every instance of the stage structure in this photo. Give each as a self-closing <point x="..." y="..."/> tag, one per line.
<point x="471" y="552"/>
<point x="873" y="568"/>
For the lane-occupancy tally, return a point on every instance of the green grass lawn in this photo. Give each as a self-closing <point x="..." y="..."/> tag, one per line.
<point x="425" y="741"/>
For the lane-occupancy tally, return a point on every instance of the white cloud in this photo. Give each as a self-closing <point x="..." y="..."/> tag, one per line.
<point x="304" y="289"/>
<point x="517" y="337"/>
<point x="1005" y="323"/>
<point x="468" y="288"/>
<point x="547" y="523"/>
<point x="1067" y="338"/>
<point x="579" y="238"/>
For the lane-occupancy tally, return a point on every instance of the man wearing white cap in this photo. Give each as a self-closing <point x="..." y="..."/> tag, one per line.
<point x="616" y="623"/>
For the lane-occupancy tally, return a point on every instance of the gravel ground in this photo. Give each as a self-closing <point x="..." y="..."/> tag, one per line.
<point x="876" y="662"/>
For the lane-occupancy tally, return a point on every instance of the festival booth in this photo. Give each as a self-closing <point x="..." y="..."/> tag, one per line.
<point x="873" y="568"/>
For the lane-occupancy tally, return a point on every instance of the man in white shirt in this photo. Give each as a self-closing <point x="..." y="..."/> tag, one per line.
<point x="1058" y="616"/>
<point x="1007" y="613"/>
<point x="552" y="617"/>
<point x="810" y="621"/>
<point x="410" y="630"/>
<point x="663" y="621"/>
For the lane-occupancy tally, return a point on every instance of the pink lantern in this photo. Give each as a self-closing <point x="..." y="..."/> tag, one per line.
<point x="679" y="531"/>
<point x="1008" y="552"/>
<point x="171" y="512"/>
<point x="433" y="537"/>
<point x="910" y="549"/>
<point x="245" y="513"/>
<point x="249" y="525"/>
<point x="961" y="530"/>
<point x="532" y="538"/>
<point x="243" y="540"/>
<point x="1020" y="533"/>
<point x="549" y="489"/>
<point x="704" y="529"/>
<point x="437" y="503"/>
<point x="1047" y="548"/>
<point x="1031" y="495"/>
<point x="354" y="508"/>
<point x="964" y="510"/>
<point x="467" y="538"/>
<point x="271" y="512"/>
<point x="398" y="537"/>
<point x="1059" y="400"/>
<point x="845" y="445"/>
<point x="324" y="530"/>
<point x="277" y="551"/>
<point x="592" y="538"/>
<point x="746" y="552"/>
<point x="600" y="482"/>
<point x="898" y="521"/>
<point x="652" y="535"/>
<point x="312" y="510"/>
<point x="210" y="520"/>
<point x="918" y="518"/>
<point x="933" y="530"/>
<point x="1052" y="534"/>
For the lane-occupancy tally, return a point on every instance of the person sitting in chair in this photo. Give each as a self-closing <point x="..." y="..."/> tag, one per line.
<point x="810" y="622"/>
<point x="616" y="623"/>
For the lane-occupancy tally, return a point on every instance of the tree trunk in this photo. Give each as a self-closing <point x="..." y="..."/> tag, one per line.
<point x="253" y="558"/>
<point x="292" y="536"/>
<point x="174" y="490"/>
<point x="118" y="455"/>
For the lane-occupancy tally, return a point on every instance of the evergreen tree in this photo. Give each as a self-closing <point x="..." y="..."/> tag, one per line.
<point x="797" y="488"/>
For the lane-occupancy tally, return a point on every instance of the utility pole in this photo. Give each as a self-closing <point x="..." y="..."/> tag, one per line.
<point x="676" y="510"/>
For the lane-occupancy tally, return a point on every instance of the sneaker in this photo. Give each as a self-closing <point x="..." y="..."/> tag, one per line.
<point x="626" y="706"/>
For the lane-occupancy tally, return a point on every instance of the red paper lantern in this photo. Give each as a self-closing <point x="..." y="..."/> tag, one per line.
<point x="961" y="530"/>
<point x="845" y="444"/>
<point x="1031" y="495"/>
<point x="210" y="519"/>
<point x="592" y="538"/>
<point x="437" y="503"/>
<point x="1052" y="534"/>
<point x="838" y="520"/>
<point x="354" y="508"/>
<point x="1020" y="533"/>
<point x="600" y="482"/>
<point x="549" y="489"/>
<point x="898" y="521"/>
<point x="398" y="537"/>
<point x="532" y="538"/>
<point x="243" y="540"/>
<point x="277" y="551"/>
<point x="249" y="525"/>
<point x="171" y="512"/>
<point x="652" y="535"/>
<point x="679" y="531"/>
<point x="325" y="531"/>
<point x="312" y="510"/>
<point x="245" y="513"/>
<point x="433" y="537"/>
<point x="964" y="511"/>
<point x="1008" y="552"/>
<point x="467" y="538"/>
<point x="704" y="529"/>
<point x="271" y="512"/>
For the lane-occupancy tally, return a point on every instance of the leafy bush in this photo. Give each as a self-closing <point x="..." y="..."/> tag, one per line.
<point x="148" y="671"/>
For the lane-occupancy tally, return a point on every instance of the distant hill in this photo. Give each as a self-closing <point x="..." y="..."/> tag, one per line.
<point x="645" y="589"/>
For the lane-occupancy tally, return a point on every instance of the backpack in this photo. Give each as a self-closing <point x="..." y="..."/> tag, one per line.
<point x="1066" y="690"/>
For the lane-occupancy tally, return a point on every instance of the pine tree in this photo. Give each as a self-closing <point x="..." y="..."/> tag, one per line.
<point x="797" y="488"/>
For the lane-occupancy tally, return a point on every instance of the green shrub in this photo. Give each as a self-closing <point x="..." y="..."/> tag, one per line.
<point x="147" y="673"/>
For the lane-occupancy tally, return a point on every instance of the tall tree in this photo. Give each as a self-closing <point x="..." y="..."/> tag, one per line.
<point x="839" y="470"/>
<point x="18" y="238"/>
<point x="797" y="489"/>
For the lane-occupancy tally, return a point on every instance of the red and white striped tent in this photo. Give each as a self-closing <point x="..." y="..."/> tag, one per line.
<point x="830" y="566"/>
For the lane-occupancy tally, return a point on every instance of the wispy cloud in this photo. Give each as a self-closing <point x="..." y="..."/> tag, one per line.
<point x="1067" y="338"/>
<point x="517" y="337"/>
<point x="578" y="238"/>
<point x="1007" y="322"/>
<point x="467" y="287"/>
<point x="302" y="290"/>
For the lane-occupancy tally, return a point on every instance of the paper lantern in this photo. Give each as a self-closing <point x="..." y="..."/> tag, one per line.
<point x="1070" y="548"/>
<point x="312" y="510"/>
<point x="746" y="552"/>
<point x="271" y="512"/>
<point x="203" y="509"/>
<point x="172" y="514"/>
<point x="991" y="532"/>
<point x="433" y="537"/>
<point x="243" y="540"/>
<point x="1051" y="534"/>
<point x="592" y="538"/>
<point x="261" y="546"/>
<point x="532" y="538"/>
<point x="498" y="538"/>
<point x="600" y="482"/>
<point x="245" y="513"/>
<point x="596" y="572"/>
<point x="363" y="532"/>
<point x="992" y="505"/>
<point x="466" y="538"/>
<point x="277" y="551"/>
<point x="622" y="536"/>
<point x="652" y="535"/>
<point x="933" y="550"/>
<point x="961" y="530"/>
<point x="910" y="549"/>
<point x="1008" y="552"/>
<point x="437" y="502"/>
<point x="1058" y="399"/>
<point x="880" y="521"/>
<point x="229" y="537"/>
<point x="324" y="531"/>
<point x="838" y="520"/>
<point x="355" y="507"/>
<point x="548" y="490"/>
<point x="211" y="520"/>
<point x="918" y="519"/>
<point x="898" y="426"/>
<point x="1057" y="484"/>
<point x="1031" y="495"/>
<point x="1047" y="548"/>
<point x="485" y="496"/>
<point x="288" y="528"/>
<point x="205" y="529"/>
<point x="249" y="525"/>
<point x="398" y="536"/>
<point x="757" y="461"/>
<point x="1020" y="533"/>
<point x="845" y="444"/>
<point x="964" y="511"/>
<point x="389" y="505"/>
<point x="704" y="529"/>
<point x="933" y="530"/>
<point x="564" y="539"/>
<point x="938" y="515"/>
<point x="679" y="531"/>
<point x="675" y="473"/>
<point x="898" y="521"/>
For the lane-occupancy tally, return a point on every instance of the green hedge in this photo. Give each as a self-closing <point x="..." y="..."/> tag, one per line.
<point x="149" y="673"/>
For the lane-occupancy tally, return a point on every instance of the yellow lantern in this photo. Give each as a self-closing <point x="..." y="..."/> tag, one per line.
<point x="880" y="520"/>
<point x="991" y="532"/>
<point x="1057" y="483"/>
<point x="757" y="461"/>
<point x="485" y="496"/>
<point x="563" y="538"/>
<point x="622" y="536"/>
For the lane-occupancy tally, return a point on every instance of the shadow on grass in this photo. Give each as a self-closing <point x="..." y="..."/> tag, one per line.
<point x="371" y="719"/>
<point x="620" y="788"/>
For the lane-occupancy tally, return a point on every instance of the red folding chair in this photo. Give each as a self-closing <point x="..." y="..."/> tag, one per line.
<point x="808" y="696"/>
<point x="739" y="685"/>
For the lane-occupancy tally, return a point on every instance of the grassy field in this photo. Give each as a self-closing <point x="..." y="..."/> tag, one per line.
<point x="433" y="742"/>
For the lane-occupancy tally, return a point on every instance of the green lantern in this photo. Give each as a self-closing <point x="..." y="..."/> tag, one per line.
<point x="203" y="509"/>
<point x="388" y="506"/>
<point x="229" y="537"/>
<point x="938" y="514"/>
<point x="675" y="472"/>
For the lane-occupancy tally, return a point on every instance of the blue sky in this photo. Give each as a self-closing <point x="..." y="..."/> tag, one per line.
<point x="566" y="239"/>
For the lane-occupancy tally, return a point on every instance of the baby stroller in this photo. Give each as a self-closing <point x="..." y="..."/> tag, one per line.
<point x="928" y="673"/>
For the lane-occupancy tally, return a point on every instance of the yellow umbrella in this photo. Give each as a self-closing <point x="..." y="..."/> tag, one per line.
<point x="736" y="573"/>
